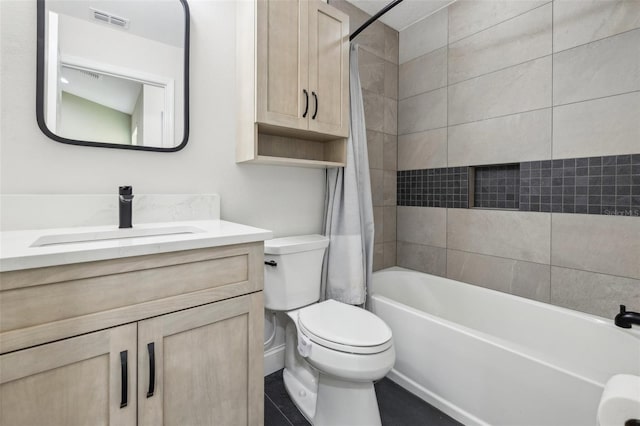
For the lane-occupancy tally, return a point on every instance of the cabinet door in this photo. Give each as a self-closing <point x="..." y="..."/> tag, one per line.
<point x="79" y="381"/>
<point x="203" y="366"/>
<point x="282" y="63"/>
<point x="328" y="69"/>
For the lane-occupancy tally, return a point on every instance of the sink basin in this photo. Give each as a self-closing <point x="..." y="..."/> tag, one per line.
<point x="113" y="234"/>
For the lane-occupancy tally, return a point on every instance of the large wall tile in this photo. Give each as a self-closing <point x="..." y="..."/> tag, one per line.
<point x="424" y="150"/>
<point x="514" y="235"/>
<point x="371" y="69"/>
<point x="526" y="279"/>
<point x="422" y="74"/>
<point x="608" y="126"/>
<point x="467" y="17"/>
<point x="377" y="195"/>
<point x="602" y="68"/>
<point x="389" y="254"/>
<point x="432" y="260"/>
<point x="510" y="139"/>
<point x="390" y="152"/>
<point x="378" y="256"/>
<point x="390" y="80"/>
<point x="390" y="187"/>
<point x="373" y="39"/>
<point x="378" y="224"/>
<point x="598" y="294"/>
<point x="424" y="36"/>
<point x="422" y="225"/>
<point x="520" y="88"/>
<point x="517" y="40"/>
<point x="578" y="22"/>
<point x="390" y="125"/>
<point x="375" y="146"/>
<point x="423" y="112"/>
<point x="373" y="110"/>
<point x="605" y="244"/>
<point x="389" y="227"/>
<point x="391" y="44"/>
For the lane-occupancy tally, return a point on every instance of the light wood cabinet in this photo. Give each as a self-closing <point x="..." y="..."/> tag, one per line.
<point x="329" y="69"/>
<point x="85" y="380"/>
<point x="207" y="363"/>
<point x="293" y="83"/>
<point x="179" y="341"/>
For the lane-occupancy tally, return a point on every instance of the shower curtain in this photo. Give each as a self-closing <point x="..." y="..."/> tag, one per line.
<point x="348" y="262"/>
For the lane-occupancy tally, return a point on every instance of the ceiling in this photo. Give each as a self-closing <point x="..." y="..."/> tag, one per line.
<point x="403" y="15"/>
<point x="113" y="92"/>
<point x="159" y="20"/>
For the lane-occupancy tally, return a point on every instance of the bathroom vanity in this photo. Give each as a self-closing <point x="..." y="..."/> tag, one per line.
<point x="141" y="329"/>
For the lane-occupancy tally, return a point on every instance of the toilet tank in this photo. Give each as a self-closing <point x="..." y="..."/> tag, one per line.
<point x="294" y="280"/>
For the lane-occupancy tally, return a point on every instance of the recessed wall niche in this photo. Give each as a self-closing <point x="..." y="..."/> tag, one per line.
<point x="495" y="186"/>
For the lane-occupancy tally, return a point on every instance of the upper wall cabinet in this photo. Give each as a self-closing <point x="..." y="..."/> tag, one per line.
<point x="293" y="82"/>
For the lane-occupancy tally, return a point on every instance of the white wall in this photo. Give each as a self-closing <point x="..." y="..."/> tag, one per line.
<point x="285" y="200"/>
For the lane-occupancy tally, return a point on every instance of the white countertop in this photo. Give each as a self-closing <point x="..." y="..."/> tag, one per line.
<point x="17" y="252"/>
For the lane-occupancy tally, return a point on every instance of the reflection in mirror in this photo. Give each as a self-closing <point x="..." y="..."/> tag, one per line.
<point x="113" y="72"/>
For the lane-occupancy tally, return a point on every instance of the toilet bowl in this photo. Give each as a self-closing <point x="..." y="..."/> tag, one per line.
<point x="334" y="351"/>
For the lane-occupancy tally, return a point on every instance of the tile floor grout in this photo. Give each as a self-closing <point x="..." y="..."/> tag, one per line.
<point x="398" y="407"/>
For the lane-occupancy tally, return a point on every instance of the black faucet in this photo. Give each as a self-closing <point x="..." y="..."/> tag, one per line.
<point x="624" y="319"/>
<point x="125" y="204"/>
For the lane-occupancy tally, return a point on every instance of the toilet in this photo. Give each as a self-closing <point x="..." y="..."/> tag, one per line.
<point x="333" y="351"/>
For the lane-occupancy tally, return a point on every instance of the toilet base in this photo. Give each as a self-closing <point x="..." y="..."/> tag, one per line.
<point x="345" y="403"/>
<point x="303" y="398"/>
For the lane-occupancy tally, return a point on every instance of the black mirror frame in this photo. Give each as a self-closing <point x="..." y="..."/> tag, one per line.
<point x="40" y="91"/>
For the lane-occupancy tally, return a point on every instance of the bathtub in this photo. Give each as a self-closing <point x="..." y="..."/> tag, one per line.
<point x="486" y="357"/>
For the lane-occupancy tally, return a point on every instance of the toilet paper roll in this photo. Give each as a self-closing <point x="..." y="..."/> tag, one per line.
<point x="620" y="400"/>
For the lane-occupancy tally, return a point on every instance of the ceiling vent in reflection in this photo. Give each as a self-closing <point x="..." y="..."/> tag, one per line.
<point x="90" y="74"/>
<point x="110" y="19"/>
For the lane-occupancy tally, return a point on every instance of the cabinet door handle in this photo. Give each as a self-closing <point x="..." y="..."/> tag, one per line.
<point x="124" y="379"/>
<point x="315" y="113"/>
<point x="152" y="369"/>
<point x="306" y="105"/>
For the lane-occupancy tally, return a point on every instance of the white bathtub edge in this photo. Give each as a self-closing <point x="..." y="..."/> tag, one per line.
<point x="446" y="407"/>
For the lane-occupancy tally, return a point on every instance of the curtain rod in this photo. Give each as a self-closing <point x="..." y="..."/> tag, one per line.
<point x="374" y="18"/>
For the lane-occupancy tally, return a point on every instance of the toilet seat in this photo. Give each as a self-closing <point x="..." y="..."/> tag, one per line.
<point x="345" y="328"/>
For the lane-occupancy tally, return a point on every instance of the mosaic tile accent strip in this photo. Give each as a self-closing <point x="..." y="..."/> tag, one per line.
<point x="596" y="185"/>
<point x="497" y="187"/>
<point x="443" y="187"/>
<point x="607" y="185"/>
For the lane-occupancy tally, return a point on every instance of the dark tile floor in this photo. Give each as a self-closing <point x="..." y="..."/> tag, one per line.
<point x="398" y="407"/>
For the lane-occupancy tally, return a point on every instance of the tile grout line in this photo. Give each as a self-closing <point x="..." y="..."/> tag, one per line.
<point x="395" y="242"/>
<point x="507" y="20"/>
<point x="550" y="107"/>
<point x="502" y="22"/>
<point x="278" y="408"/>
<point x="553" y="7"/>
<point x="597" y="41"/>
<point x="446" y="215"/>
<point x="467" y="36"/>
<point x="550" y="265"/>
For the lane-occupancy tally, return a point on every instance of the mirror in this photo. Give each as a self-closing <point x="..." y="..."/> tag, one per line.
<point x="114" y="73"/>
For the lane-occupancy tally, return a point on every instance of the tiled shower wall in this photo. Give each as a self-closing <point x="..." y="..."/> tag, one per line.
<point x="500" y="82"/>
<point x="378" y="65"/>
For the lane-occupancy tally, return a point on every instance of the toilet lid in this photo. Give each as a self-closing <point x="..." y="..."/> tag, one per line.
<point x="344" y="327"/>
